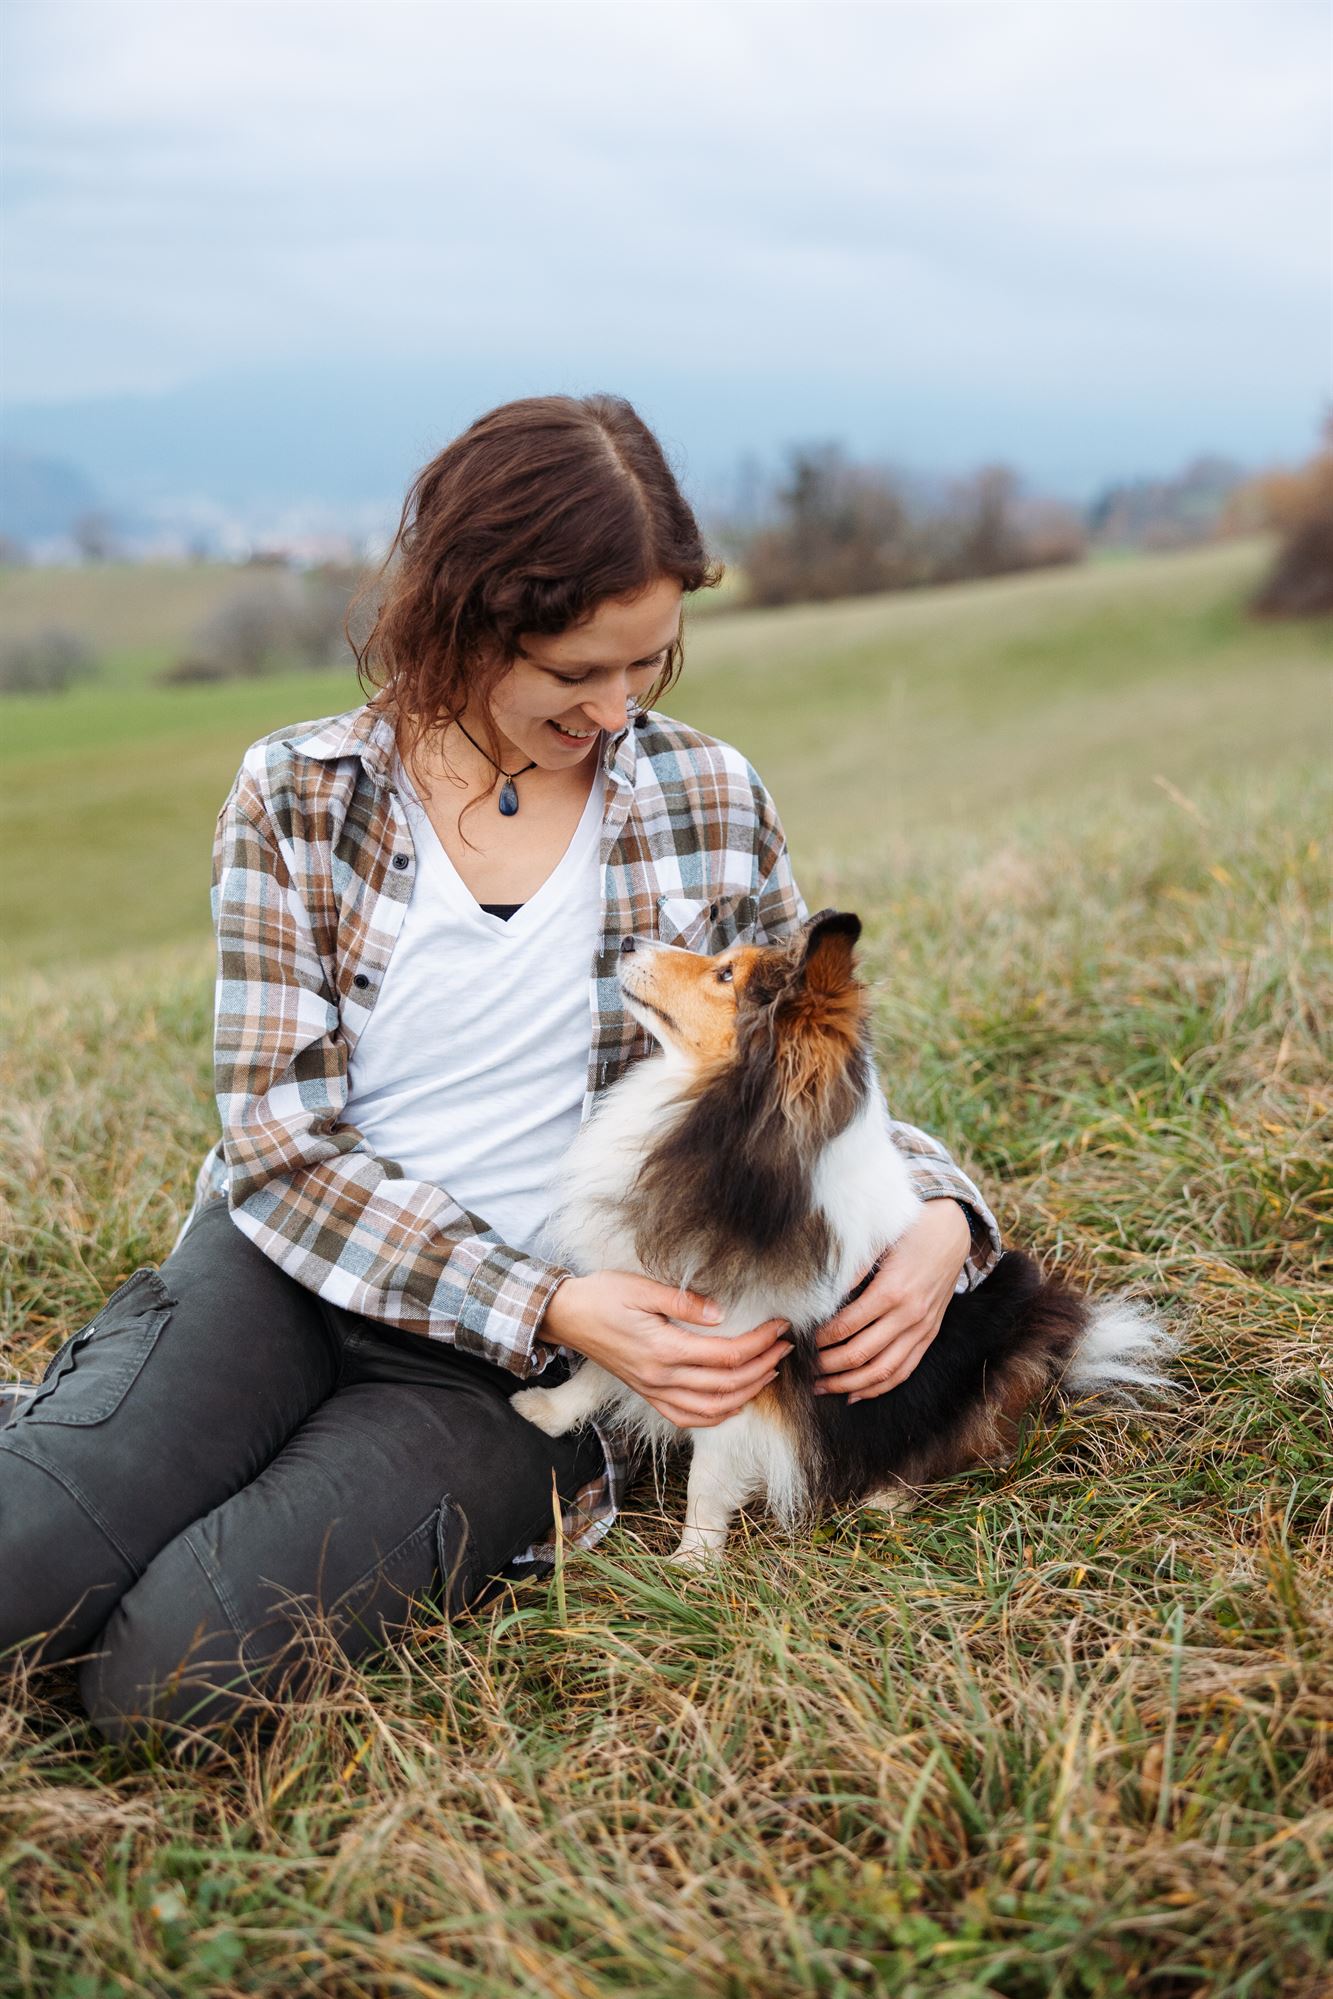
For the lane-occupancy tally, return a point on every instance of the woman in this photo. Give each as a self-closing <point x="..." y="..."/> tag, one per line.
<point x="418" y="908"/>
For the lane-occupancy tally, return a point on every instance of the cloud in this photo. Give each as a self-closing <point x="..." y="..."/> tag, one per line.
<point x="1133" y="194"/>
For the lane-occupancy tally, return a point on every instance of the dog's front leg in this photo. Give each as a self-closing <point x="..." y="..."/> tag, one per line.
<point x="556" y="1410"/>
<point x="719" y="1486"/>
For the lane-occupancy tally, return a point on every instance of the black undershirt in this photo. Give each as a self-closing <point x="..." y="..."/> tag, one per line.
<point x="502" y="909"/>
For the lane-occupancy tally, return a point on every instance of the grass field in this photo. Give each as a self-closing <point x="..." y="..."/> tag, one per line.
<point x="884" y="726"/>
<point x="1064" y="1730"/>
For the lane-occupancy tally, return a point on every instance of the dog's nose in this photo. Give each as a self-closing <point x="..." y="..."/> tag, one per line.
<point x="626" y="945"/>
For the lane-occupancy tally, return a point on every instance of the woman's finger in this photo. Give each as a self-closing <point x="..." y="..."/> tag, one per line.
<point x="879" y="1297"/>
<point x="883" y="1369"/>
<point x="698" y="1350"/>
<point x="716" y="1381"/>
<point x="870" y="1344"/>
<point x="701" y="1412"/>
<point x="899" y="1372"/>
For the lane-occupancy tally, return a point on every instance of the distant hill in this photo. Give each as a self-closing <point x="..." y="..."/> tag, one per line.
<point x="334" y="443"/>
<point x="41" y="498"/>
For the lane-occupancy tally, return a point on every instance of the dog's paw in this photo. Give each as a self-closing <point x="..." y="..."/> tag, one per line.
<point x="539" y="1406"/>
<point x="890" y="1499"/>
<point x="697" y="1555"/>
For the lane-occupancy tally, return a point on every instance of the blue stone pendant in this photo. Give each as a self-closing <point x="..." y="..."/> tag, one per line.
<point x="508" y="798"/>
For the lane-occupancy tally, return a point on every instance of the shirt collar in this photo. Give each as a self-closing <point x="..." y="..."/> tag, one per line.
<point x="367" y="732"/>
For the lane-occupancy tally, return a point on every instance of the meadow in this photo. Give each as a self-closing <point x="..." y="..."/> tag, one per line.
<point x="1064" y="1729"/>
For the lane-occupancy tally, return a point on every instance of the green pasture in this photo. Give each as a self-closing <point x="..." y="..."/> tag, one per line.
<point x="1065" y="1731"/>
<point x="881" y="724"/>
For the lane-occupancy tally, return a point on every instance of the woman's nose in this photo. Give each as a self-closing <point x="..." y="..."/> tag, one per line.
<point x="609" y="709"/>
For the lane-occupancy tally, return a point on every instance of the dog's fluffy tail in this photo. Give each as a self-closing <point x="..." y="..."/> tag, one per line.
<point x="1121" y="1350"/>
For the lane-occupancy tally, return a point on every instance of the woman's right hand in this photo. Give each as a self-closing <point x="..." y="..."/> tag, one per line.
<point x="625" y="1323"/>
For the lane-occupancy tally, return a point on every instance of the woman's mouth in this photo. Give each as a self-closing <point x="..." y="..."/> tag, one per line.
<point x="573" y="735"/>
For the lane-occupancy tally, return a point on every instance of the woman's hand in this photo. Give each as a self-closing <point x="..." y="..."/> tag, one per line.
<point x="874" y="1342"/>
<point x="624" y="1323"/>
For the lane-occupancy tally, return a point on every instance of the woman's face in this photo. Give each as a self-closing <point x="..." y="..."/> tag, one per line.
<point x="578" y="680"/>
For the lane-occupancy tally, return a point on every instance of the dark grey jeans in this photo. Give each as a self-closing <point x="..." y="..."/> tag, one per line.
<point x="218" y="1449"/>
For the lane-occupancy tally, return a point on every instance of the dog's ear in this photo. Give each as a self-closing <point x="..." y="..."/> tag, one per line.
<point x="830" y="950"/>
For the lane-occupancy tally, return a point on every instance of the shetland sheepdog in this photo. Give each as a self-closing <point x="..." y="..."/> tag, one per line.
<point x="750" y="1161"/>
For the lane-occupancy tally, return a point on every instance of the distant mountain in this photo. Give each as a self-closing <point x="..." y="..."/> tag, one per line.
<point x="41" y="498"/>
<point x="334" y="443"/>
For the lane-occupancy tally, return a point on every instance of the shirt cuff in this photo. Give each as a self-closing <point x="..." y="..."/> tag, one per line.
<point x="506" y="1297"/>
<point x="986" y="1247"/>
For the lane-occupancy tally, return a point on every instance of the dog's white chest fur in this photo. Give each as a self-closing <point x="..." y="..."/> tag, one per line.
<point x="861" y="1186"/>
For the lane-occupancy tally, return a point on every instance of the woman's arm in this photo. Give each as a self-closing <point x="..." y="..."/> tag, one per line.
<point x="303" y="1185"/>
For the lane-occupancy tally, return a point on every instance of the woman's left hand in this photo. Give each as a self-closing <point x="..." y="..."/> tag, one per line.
<point x="874" y="1342"/>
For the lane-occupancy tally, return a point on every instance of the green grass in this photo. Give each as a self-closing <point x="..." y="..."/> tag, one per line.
<point x="1063" y="1730"/>
<point x="881" y="725"/>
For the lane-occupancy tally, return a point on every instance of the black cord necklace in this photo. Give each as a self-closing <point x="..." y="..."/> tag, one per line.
<point x="508" y="791"/>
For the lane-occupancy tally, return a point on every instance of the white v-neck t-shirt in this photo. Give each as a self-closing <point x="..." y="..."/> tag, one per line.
<point x="471" y="1069"/>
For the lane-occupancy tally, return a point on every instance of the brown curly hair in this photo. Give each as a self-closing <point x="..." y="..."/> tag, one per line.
<point x="523" y="524"/>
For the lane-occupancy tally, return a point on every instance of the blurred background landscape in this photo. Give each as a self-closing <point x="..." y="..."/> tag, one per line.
<point x="991" y="342"/>
<point x="1004" y="392"/>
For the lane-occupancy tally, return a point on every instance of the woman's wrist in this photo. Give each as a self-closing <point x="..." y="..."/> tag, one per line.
<point x="560" y="1321"/>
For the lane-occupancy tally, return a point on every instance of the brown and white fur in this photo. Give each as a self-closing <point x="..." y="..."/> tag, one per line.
<point x="750" y="1162"/>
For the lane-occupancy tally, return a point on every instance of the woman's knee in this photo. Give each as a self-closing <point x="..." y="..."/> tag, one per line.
<point x="172" y="1660"/>
<point x="60" y="1572"/>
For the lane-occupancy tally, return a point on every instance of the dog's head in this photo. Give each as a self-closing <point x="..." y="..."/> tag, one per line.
<point x="793" y="1013"/>
<point x="771" y="1041"/>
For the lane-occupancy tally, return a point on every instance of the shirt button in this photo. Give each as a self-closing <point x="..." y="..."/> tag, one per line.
<point x="402" y="860"/>
<point x="361" y="981"/>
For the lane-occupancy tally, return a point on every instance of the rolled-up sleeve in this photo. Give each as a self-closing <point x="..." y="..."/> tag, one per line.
<point x="307" y="1188"/>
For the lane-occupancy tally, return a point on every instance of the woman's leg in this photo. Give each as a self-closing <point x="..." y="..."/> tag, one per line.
<point x="187" y="1382"/>
<point x="414" y="1475"/>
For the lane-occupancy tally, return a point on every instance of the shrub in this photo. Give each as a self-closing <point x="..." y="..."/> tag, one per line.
<point x="272" y="620"/>
<point x="1300" y="506"/>
<point x="44" y="662"/>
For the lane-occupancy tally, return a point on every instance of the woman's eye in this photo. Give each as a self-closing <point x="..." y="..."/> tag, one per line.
<point x="582" y="679"/>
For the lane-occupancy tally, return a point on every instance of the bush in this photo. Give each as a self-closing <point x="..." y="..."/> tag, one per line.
<point x="45" y="662"/>
<point x="273" y="620"/>
<point x="1300" y="506"/>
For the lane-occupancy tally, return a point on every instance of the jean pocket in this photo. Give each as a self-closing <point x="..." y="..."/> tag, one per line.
<point x="91" y="1374"/>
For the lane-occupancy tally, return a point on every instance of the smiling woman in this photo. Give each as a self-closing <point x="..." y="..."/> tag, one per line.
<point x="413" y="1019"/>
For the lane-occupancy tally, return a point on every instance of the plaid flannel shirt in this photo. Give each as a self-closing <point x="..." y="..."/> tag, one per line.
<point x="313" y="867"/>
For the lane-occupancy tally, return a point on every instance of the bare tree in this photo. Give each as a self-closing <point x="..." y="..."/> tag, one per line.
<point x="843" y="529"/>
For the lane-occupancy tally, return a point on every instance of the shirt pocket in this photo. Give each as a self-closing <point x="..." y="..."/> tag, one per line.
<point x="683" y="921"/>
<point x="708" y="924"/>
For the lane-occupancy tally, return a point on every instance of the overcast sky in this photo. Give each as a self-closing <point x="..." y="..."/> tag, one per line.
<point x="1097" y="206"/>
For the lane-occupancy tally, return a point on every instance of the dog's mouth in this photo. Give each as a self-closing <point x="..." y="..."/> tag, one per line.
<point x="640" y="1002"/>
<point x="647" y="1006"/>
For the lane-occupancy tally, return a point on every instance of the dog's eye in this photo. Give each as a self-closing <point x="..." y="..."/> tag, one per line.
<point x="724" y="976"/>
